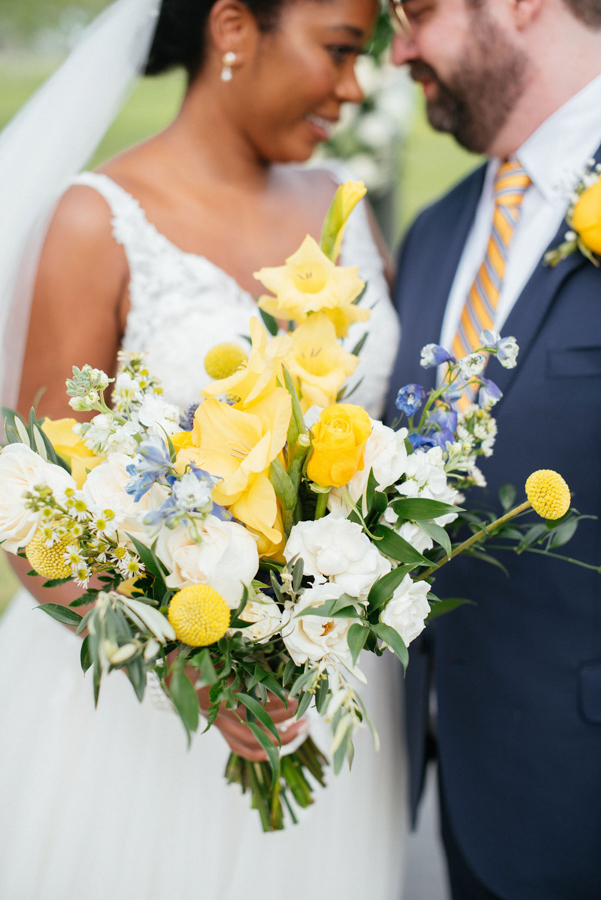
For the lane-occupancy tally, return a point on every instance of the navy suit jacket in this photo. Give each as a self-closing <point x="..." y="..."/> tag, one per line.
<point x="518" y="675"/>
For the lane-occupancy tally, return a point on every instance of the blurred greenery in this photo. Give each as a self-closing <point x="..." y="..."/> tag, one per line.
<point x="431" y="162"/>
<point x="24" y="17"/>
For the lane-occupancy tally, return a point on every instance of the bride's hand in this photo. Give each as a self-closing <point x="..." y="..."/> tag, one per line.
<point x="241" y="739"/>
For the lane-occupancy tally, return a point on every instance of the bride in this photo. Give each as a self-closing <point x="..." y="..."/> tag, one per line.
<point x="155" y="252"/>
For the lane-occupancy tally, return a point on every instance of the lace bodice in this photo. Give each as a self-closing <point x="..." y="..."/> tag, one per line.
<point x="182" y="304"/>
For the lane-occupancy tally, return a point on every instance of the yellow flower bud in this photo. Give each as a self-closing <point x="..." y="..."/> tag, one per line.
<point x="199" y="615"/>
<point x="48" y="561"/>
<point x="339" y="438"/>
<point x="223" y="360"/>
<point x="586" y="218"/>
<point x="548" y="493"/>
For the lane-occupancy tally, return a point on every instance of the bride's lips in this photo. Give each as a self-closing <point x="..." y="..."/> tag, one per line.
<point x="322" y="128"/>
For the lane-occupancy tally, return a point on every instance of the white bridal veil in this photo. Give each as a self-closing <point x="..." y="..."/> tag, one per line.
<point x="46" y="144"/>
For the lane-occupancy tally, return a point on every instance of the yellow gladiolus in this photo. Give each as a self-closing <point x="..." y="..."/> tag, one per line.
<point x="310" y="283"/>
<point x="318" y="363"/>
<point x="71" y="448"/>
<point x="339" y="438"/>
<point x="259" y="377"/>
<point x="182" y="440"/>
<point x="238" y="446"/>
<point x="346" y="199"/>
<point x="586" y="217"/>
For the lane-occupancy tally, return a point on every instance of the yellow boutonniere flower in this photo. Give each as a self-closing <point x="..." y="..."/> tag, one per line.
<point x="317" y="362"/>
<point x="586" y="217"/>
<point x="238" y="446"/>
<point x="310" y="283"/>
<point x="339" y="438"/>
<point x="259" y="376"/>
<point x="71" y="448"/>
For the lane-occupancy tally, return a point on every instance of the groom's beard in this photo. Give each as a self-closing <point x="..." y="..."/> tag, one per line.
<point x="474" y="103"/>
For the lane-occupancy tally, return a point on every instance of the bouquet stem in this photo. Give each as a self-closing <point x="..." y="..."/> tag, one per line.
<point x="292" y="783"/>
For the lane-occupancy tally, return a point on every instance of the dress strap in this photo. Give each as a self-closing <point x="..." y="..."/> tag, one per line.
<point x="128" y="221"/>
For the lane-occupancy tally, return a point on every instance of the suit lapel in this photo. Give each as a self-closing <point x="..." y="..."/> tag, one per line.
<point x="536" y="301"/>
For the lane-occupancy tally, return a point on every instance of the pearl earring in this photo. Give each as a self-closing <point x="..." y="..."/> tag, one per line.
<point x="228" y="61"/>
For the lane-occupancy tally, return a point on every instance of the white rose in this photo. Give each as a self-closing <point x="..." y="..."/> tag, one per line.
<point x="227" y="558"/>
<point x="104" y="488"/>
<point x="386" y="455"/>
<point x="21" y="470"/>
<point x="314" y="637"/>
<point x="407" y="610"/>
<point x="337" y="550"/>
<point x="266" y="618"/>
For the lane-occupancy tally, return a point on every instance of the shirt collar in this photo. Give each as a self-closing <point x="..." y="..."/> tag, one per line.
<point x="556" y="155"/>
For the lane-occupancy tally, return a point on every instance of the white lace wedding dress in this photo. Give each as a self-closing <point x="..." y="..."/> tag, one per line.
<point x="108" y="804"/>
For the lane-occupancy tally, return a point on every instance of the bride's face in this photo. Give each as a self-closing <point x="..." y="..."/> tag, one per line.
<point x="289" y="91"/>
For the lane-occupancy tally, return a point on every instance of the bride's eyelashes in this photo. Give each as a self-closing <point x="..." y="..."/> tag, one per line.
<point x="341" y="52"/>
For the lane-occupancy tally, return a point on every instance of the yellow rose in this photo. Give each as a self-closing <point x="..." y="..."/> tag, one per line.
<point x="317" y="362"/>
<point x="586" y="218"/>
<point x="339" y="438"/>
<point x="71" y="448"/>
<point x="310" y="283"/>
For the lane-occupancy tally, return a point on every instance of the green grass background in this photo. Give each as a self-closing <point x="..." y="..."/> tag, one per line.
<point x="430" y="162"/>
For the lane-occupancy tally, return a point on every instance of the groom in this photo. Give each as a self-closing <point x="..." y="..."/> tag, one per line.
<point x="518" y="674"/>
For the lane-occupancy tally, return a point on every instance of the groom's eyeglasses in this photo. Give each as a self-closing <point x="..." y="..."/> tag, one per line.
<point x="399" y="19"/>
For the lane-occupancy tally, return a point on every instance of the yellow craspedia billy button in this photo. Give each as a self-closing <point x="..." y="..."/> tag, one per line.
<point x="548" y="493"/>
<point x="223" y="360"/>
<point x="199" y="615"/>
<point x="48" y="561"/>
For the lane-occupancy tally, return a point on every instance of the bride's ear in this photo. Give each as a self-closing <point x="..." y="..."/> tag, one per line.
<point x="232" y="29"/>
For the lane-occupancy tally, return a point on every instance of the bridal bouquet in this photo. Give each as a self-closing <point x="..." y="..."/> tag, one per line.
<point x="258" y="543"/>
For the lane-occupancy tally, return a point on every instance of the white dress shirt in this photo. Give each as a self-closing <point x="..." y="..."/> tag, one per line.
<point x="554" y="157"/>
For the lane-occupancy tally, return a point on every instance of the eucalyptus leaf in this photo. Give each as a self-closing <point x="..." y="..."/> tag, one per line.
<point x="185" y="699"/>
<point x="442" y="607"/>
<point x="507" y="494"/>
<point x="396" y="547"/>
<point x="394" y="641"/>
<point x="417" y="509"/>
<point x="260" y="713"/>
<point x="356" y="638"/>
<point x="61" y="613"/>
<point x="384" y="587"/>
<point x="273" y="756"/>
<point x="438" y="534"/>
<point x="269" y="321"/>
<point x="84" y="654"/>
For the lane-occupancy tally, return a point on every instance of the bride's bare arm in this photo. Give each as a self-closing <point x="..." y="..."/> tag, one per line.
<point x="77" y="310"/>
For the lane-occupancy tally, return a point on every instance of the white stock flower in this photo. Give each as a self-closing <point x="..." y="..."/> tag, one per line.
<point x="21" y="470"/>
<point x="314" y="637"/>
<point x="416" y="536"/>
<point x="266" y="618"/>
<point x="407" y="610"/>
<point x="226" y="559"/>
<point x="375" y="130"/>
<point x="426" y="478"/>
<point x="158" y="416"/>
<point x="104" y="489"/>
<point x="127" y="389"/>
<point x="106" y="436"/>
<point x="386" y="455"/>
<point x="337" y="550"/>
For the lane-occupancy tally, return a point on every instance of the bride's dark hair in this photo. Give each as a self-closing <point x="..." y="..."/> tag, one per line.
<point x="179" y="39"/>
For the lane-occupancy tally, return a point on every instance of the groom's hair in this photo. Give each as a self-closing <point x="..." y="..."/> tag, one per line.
<point x="180" y="36"/>
<point x="588" y="11"/>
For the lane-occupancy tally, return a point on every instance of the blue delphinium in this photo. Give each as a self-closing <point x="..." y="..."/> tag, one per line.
<point x="441" y="426"/>
<point x="435" y="355"/>
<point x="410" y="398"/>
<point x="190" y="500"/>
<point x="421" y="441"/>
<point x="152" y="465"/>
<point x="187" y="417"/>
<point x="490" y="393"/>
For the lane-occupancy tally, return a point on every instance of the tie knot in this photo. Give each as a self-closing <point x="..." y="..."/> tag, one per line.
<point x="511" y="184"/>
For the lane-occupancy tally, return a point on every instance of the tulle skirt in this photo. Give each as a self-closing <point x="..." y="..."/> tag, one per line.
<point x="109" y="804"/>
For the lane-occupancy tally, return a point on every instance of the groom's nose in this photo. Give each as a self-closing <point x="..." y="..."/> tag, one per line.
<point x="403" y="49"/>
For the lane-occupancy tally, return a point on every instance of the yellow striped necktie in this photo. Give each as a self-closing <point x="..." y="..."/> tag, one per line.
<point x="511" y="183"/>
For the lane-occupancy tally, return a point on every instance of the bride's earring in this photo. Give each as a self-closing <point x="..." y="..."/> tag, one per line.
<point x="228" y="61"/>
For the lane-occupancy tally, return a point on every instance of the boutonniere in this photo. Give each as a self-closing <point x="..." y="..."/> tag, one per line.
<point x="584" y="220"/>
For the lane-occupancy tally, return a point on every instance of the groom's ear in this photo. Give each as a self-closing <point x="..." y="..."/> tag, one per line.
<point x="231" y="28"/>
<point x="525" y="12"/>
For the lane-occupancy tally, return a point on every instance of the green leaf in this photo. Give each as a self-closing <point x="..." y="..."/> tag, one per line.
<point x="297" y="424"/>
<point x="384" y="587"/>
<point x="297" y="574"/>
<point x="55" y="582"/>
<point x="356" y="351"/>
<point x="137" y="676"/>
<point x="322" y="694"/>
<point x="273" y="756"/>
<point x="84" y="655"/>
<point x="148" y="557"/>
<point x="372" y="486"/>
<point x="260" y="713"/>
<point x="487" y="558"/>
<point x="438" y="534"/>
<point x="185" y="699"/>
<point x="300" y="682"/>
<point x="442" y="607"/>
<point x="235" y="619"/>
<point x="203" y="662"/>
<point x="564" y="533"/>
<point x="417" y="509"/>
<point x="394" y="641"/>
<point x="273" y="685"/>
<point x="507" y="496"/>
<point x="356" y="638"/>
<point x="396" y="547"/>
<point x="269" y="321"/>
<point x="289" y="671"/>
<point x="61" y="613"/>
<point x="303" y="705"/>
<point x="282" y="485"/>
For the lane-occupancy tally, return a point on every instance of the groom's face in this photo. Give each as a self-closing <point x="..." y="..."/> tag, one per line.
<point x="471" y="72"/>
